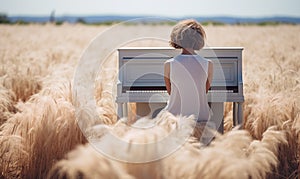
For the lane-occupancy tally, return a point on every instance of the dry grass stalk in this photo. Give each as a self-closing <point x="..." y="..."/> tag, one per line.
<point x="86" y="162"/>
<point x="7" y="108"/>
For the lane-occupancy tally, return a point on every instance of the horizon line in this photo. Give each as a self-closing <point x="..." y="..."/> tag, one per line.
<point x="149" y="15"/>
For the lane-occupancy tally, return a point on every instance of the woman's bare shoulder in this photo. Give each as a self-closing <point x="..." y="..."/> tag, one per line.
<point x="167" y="62"/>
<point x="210" y="62"/>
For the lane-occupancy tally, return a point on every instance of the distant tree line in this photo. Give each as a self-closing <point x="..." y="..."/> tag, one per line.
<point x="4" y="19"/>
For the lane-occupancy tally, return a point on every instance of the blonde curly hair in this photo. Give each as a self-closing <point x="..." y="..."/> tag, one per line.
<point x="188" y="34"/>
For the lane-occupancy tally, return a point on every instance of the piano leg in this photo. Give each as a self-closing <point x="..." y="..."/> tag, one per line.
<point x="125" y="109"/>
<point x="120" y="110"/>
<point x="218" y="115"/>
<point x="240" y="113"/>
<point x="235" y="114"/>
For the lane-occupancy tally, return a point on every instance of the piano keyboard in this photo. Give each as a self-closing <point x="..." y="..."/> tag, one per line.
<point x="165" y="91"/>
<point x="145" y="91"/>
<point x="221" y="91"/>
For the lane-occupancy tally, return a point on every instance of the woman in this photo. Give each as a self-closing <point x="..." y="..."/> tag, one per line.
<point x="188" y="76"/>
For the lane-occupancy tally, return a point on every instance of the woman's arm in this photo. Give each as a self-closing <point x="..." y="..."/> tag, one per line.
<point x="167" y="76"/>
<point x="209" y="75"/>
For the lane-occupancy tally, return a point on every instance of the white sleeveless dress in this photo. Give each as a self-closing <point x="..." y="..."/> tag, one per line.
<point x="188" y="76"/>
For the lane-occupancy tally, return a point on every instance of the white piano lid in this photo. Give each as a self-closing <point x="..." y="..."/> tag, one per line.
<point x="171" y="48"/>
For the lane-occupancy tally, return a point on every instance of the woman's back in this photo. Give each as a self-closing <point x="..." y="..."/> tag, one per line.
<point x="188" y="76"/>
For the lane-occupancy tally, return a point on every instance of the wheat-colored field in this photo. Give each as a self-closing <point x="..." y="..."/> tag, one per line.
<point x="39" y="136"/>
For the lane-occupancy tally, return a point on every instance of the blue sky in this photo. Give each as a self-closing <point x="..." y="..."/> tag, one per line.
<point x="170" y="8"/>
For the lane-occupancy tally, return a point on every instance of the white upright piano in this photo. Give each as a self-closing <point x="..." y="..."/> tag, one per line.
<point x="141" y="80"/>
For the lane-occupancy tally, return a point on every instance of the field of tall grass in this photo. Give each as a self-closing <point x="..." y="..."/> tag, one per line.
<point x="39" y="136"/>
